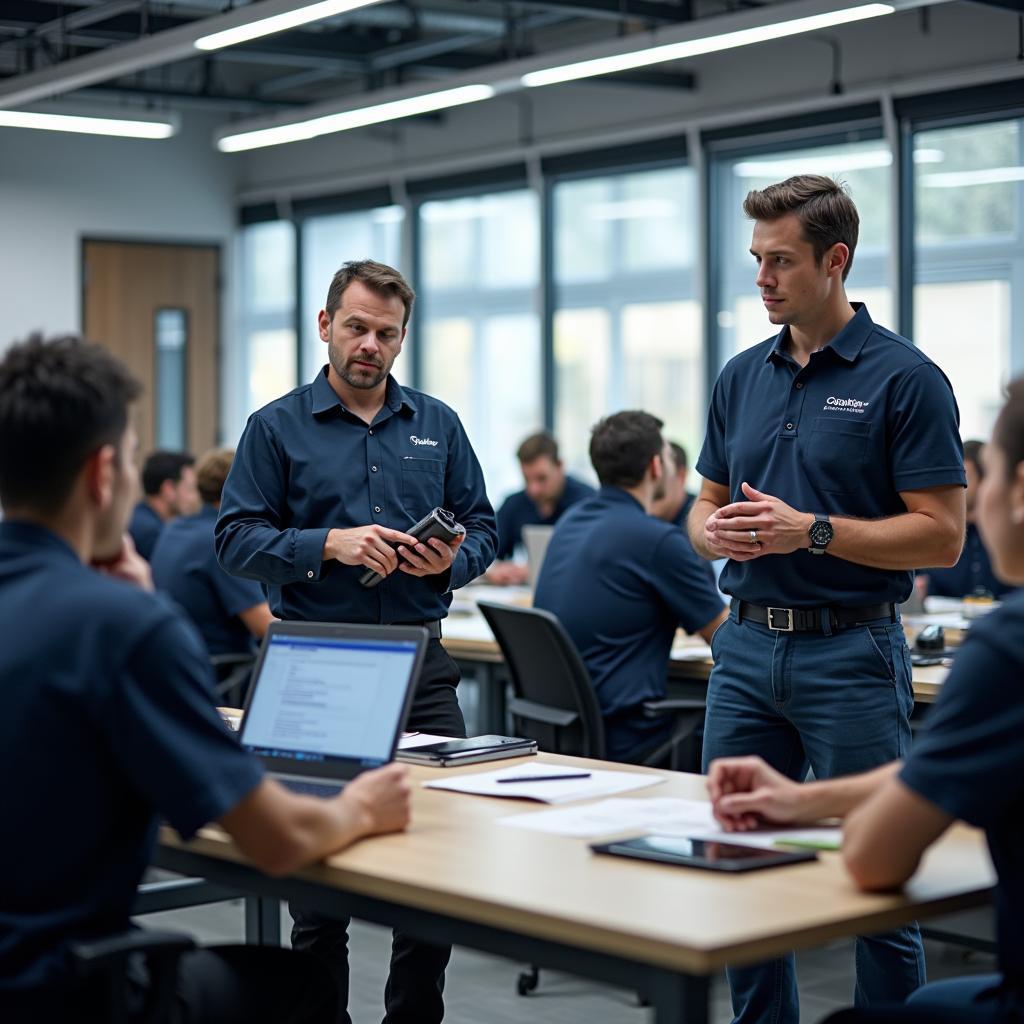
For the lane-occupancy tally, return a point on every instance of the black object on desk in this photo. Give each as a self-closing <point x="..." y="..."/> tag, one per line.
<point x="702" y="853"/>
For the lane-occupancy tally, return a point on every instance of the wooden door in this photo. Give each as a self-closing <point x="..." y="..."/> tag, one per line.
<point x="157" y="308"/>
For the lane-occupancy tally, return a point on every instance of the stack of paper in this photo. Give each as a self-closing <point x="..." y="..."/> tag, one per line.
<point x="550" y="790"/>
<point x="815" y="838"/>
<point x="608" y="817"/>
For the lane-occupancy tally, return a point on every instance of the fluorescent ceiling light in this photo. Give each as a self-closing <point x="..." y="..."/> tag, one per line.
<point x="357" y="118"/>
<point x="87" y="125"/>
<point x="696" y="47"/>
<point x="279" y="23"/>
<point x="985" y="176"/>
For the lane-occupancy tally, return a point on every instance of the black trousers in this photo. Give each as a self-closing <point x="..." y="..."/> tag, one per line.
<point x="216" y="985"/>
<point x="415" y="987"/>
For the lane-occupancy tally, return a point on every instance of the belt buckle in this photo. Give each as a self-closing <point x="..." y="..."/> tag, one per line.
<point x="788" y="612"/>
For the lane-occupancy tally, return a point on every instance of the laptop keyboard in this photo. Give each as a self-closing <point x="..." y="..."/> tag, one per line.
<point x="312" y="788"/>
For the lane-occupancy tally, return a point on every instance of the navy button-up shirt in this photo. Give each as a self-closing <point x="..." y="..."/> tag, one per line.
<point x="518" y="510"/>
<point x="185" y="568"/>
<point x="108" y="725"/>
<point x="621" y="582"/>
<point x="305" y="465"/>
<point x="868" y="417"/>
<point x="971" y="575"/>
<point x="145" y="527"/>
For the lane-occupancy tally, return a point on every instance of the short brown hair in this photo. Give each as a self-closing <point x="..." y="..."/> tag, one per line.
<point x="823" y="206"/>
<point x="1008" y="433"/>
<point x="622" y="446"/>
<point x="378" y="277"/>
<point x="211" y="472"/>
<point x="537" y="445"/>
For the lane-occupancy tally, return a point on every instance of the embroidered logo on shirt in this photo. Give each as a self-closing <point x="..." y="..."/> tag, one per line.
<point x="422" y="440"/>
<point x="833" y="404"/>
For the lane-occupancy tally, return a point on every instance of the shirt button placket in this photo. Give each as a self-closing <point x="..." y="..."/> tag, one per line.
<point x="375" y="482"/>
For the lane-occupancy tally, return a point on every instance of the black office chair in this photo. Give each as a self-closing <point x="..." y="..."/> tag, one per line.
<point x="555" y="703"/>
<point x="101" y="966"/>
<point x="233" y="672"/>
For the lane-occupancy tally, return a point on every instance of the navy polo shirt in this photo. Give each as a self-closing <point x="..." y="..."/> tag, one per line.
<point x="185" y="567"/>
<point x="145" y="527"/>
<point x="973" y="573"/>
<point x="519" y="510"/>
<point x="621" y="582"/>
<point x="969" y="760"/>
<point x="306" y="464"/>
<point x="108" y="724"/>
<point x="868" y="417"/>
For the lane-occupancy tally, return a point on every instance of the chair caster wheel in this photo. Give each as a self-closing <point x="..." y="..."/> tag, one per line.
<point x="527" y="982"/>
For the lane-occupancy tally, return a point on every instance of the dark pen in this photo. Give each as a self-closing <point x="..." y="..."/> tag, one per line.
<point x="545" y="778"/>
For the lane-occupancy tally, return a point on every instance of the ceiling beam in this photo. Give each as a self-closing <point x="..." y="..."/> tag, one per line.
<point x="621" y="10"/>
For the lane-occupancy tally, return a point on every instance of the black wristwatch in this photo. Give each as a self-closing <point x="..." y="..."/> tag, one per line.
<point x="820" y="532"/>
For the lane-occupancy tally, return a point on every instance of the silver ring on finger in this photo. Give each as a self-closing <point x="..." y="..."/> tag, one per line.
<point x="753" y="536"/>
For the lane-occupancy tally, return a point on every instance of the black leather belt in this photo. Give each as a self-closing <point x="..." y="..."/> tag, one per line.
<point x="809" y="620"/>
<point x="432" y="626"/>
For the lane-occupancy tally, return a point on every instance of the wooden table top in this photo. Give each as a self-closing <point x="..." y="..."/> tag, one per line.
<point x="457" y="859"/>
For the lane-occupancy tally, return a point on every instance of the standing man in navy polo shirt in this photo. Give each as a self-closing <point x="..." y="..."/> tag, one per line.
<point x="324" y="483"/>
<point x="832" y="469"/>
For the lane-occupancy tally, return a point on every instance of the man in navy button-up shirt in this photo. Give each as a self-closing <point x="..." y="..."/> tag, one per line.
<point x="324" y="483"/>
<point x="832" y="470"/>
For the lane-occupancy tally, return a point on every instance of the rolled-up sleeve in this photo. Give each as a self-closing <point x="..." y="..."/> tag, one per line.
<point x="250" y="536"/>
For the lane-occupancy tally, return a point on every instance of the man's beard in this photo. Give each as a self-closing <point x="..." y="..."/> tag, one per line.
<point x="359" y="378"/>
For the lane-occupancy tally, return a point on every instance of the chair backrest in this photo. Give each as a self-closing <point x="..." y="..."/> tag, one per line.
<point x="555" y="701"/>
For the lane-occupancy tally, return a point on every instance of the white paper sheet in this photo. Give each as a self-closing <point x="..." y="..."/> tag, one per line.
<point x="411" y="740"/>
<point x="608" y="817"/>
<point x="691" y="652"/>
<point x="818" y="837"/>
<point x="598" y="783"/>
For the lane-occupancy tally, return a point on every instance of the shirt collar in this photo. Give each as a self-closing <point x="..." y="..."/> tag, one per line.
<point x="28" y="534"/>
<point x="846" y="344"/>
<point x="618" y="496"/>
<point x="325" y="398"/>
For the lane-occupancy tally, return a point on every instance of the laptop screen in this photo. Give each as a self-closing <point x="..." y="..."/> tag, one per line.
<point x="324" y="699"/>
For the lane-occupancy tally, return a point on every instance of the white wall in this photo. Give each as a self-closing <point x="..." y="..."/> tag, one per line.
<point x="56" y="188"/>
<point x="963" y="40"/>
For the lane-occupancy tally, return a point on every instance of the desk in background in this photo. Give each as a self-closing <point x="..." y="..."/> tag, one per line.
<point x="459" y="876"/>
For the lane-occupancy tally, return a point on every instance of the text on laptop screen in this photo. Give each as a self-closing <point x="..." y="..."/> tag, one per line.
<point x="319" y="698"/>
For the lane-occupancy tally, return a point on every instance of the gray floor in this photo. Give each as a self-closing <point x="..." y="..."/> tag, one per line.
<point x="483" y="988"/>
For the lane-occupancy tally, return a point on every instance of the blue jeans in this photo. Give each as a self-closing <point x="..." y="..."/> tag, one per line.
<point x="974" y="1000"/>
<point x="838" y="704"/>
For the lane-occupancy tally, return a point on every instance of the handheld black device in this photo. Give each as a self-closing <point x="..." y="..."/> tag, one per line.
<point x="439" y="523"/>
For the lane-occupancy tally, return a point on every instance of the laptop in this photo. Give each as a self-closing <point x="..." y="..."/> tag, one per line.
<point x="329" y="701"/>
<point x="536" y="539"/>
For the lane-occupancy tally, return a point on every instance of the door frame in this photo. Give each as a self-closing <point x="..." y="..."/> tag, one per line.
<point x="185" y="243"/>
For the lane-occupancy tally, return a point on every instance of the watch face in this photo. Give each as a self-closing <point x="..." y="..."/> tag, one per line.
<point x="821" y="533"/>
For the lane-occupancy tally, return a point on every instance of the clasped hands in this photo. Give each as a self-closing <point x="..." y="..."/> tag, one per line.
<point x="762" y="525"/>
<point x="384" y="550"/>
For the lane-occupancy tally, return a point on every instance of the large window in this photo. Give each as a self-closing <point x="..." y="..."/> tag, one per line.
<point x="627" y="326"/>
<point x="969" y="260"/>
<point x="327" y="243"/>
<point x="865" y="167"/>
<point x="478" y="324"/>
<point x="266" y="303"/>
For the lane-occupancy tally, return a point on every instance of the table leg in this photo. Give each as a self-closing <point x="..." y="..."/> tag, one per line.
<point x="262" y="921"/>
<point x="679" y="998"/>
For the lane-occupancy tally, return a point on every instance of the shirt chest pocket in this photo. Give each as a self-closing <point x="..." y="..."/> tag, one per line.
<point x="422" y="486"/>
<point x="836" y="454"/>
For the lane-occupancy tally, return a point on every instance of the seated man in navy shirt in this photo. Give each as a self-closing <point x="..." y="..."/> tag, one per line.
<point x="621" y="582"/>
<point x="674" y="506"/>
<point x="229" y="611"/>
<point x="972" y="575"/>
<point x="967" y="763"/>
<point x="169" y="490"/>
<point x="549" y="492"/>
<point x="108" y="723"/>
